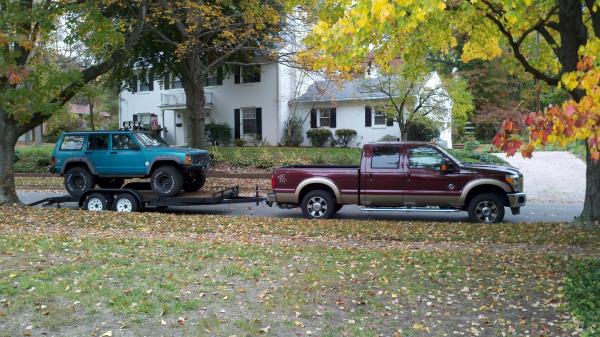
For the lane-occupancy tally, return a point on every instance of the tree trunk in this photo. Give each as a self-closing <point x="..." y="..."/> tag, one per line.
<point x="91" y="103"/>
<point x="590" y="216"/>
<point x="195" y="108"/>
<point x="10" y="134"/>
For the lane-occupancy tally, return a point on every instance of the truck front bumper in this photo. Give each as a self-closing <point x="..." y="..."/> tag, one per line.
<point x="516" y="201"/>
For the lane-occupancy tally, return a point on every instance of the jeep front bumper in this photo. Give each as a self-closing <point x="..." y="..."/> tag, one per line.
<point x="516" y="200"/>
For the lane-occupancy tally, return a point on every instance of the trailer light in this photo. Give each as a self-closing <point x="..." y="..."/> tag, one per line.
<point x="188" y="159"/>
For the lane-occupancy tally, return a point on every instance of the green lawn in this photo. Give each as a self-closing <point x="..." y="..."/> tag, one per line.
<point x="74" y="273"/>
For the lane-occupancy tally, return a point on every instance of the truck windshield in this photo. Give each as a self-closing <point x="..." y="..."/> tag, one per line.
<point x="148" y="140"/>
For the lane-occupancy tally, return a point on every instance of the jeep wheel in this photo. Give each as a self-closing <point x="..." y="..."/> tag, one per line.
<point x="486" y="208"/>
<point x="96" y="202"/>
<point x="194" y="182"/>
<point x="318" y="204"/>
<point x="166" y="181"/>
<point x="111" y="182"/>
<point x="78" y="180"/>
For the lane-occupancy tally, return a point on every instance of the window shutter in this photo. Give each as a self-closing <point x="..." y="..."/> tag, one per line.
<point x="219" y="76"/>
<point x="313" y="118"/>
<point x="368" y="120"/>
<point x="236" y="122"/>
<point x="332" y="118"/>
<point x="259" y="122"/>
<point x="236" y="74"/>
<point x="390" y="122"/>
<point x="134" y="87"/>
<point x="150" y="81"/>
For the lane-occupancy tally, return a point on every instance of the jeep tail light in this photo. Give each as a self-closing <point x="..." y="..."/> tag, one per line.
<point x="273" y="181"/>
<point x="53" y="160"/>
<point x="188" y="160"/>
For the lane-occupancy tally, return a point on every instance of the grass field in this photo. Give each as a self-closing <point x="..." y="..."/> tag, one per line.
<point x="74" y="273"/>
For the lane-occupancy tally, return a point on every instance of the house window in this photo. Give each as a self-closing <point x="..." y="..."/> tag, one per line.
<point x="250" y="74"/>
<point x="249" y="121"/>
<point x="324" y="117"/>
<point x="177" y="83"/>
<point x="379" y="119"/>
<point x="146" y="82"/>
<point x="170" y="81"/>
<point x="214" y="78"/>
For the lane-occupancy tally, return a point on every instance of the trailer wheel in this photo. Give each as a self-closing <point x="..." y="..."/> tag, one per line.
<point x="96" y="202"/>
<point x="318" y="204"/>
<point x="126" y="203"/>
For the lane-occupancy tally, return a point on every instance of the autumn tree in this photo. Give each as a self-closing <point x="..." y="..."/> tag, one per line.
<point x="33" y="83"/>
<point x="557" y="42"/>
<point x="195" y="39"/>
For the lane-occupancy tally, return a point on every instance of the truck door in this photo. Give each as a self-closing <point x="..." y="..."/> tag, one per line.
<point x="427" y="185"/>
<point x="97" y="152"/>
<point x="126" y="156"/>
<point x="383" y="178"/>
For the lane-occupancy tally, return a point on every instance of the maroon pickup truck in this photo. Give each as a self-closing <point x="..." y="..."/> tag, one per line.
<point x="401" y="176"/>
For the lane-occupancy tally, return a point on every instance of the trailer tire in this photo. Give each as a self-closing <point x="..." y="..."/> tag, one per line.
<point x="194" y="182"/>
<point x="166" y="181"/>
<point x="318" y="204"/>
<point x="96" y="202"/>
<point x="78" y="180"/>
<point x="126" y="203"/>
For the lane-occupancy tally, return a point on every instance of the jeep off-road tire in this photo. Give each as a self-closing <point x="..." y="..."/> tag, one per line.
<point x="318" y="204"/>
<point x="78" y="180"/>
<point x="194" y="182"/>
<point x="166" y="181"/>
<point x="486" y="208"/>
<point x="111" y="182"/>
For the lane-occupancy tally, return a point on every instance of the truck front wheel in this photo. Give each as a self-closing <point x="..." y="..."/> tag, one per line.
<point x="486" y="208"/>
<point x="194" y="182"/>
<point x="167" y="181"/>
<point x="318" y="204"/>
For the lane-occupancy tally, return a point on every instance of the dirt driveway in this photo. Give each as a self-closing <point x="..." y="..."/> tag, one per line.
<point x="553" y="176"/>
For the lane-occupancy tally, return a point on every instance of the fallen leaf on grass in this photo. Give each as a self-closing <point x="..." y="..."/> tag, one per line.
<point x="299" y="324"/>
<point x="107" y="334"/>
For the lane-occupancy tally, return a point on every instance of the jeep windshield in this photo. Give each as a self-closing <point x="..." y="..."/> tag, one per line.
<point x="148" y="140"/>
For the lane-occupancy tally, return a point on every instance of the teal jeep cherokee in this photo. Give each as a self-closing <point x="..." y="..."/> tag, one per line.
<point x="107" y="158"/>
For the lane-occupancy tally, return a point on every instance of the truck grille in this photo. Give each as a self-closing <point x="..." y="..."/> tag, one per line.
<point x="202" y="159"/>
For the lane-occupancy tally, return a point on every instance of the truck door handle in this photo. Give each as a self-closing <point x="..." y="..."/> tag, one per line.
<point x="88" y="152"/>
<point x="113" y="152"/>
<point x="370" y="177"/>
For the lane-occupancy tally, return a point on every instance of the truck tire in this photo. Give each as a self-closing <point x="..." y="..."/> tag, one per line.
<point x="194" y="182"/>
<point x="96" y="202"/>
<point x="318" y="204"/>
<point x="111" y="182"/>
<point x="126" y="203"/>
<point x="166" y="181"/>
<point x="486" y="208"/>
<point x="78" y="180"/>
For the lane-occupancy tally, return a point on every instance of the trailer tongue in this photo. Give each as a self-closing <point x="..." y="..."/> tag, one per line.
<point x="138" y="196"/>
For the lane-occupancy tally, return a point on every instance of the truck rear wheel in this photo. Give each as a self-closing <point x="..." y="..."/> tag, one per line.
<point x="486" y="208"/>
<point x="78" y="180"/>
<point x="167" y="181"/>
<point x="318" y="204"/>
<point x="194" y="182"/>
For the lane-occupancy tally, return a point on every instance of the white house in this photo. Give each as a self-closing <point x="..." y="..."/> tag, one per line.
<point x="258" y="99"/>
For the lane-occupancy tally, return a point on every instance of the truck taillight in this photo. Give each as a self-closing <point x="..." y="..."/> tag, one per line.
<point x="53" y="160"/>
<point x="273" y="181"/>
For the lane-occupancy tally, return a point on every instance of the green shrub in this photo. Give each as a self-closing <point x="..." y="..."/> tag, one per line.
<point x="345" y="137"/>
<point x="472" y="145"/>
<point x="218" y="134"/>
<point x="62" y="122"/>
<point x="423" y="129"/>
<point x="388" y="138"/>
<point x="239" y="142"/>
<point x="582" y="292"/>
<point x="292" y="132"/>
<point x="319" y="137"/>
<point x="32" y="159"/>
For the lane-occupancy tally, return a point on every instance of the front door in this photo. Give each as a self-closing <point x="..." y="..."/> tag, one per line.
<point x="427" y="185"/>
<point x="383" y="179"/>
<point x="126" y="157"/>
<point x="97" y="152"/>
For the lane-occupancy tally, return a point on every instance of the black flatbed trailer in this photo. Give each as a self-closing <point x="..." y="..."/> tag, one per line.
<point x="138" y="196"/>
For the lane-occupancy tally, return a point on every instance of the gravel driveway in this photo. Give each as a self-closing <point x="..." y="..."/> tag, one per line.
<point x="552" y="176"/>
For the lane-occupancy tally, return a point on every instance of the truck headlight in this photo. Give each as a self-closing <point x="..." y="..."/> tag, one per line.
<point x="515" y="181"/>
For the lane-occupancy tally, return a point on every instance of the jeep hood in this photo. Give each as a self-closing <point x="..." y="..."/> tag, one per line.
<point x="176" y="149"/>
<point x="491" y="168"/>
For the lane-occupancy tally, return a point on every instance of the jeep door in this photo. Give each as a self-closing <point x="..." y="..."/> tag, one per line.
<point x="97" y="152"/>
<point x="126" y="156"/>
<point x="383" y="178"/>
<point x="427" y="185"/>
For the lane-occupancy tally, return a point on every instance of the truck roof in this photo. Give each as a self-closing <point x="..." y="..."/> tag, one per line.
<point x="400" y="143"/>
<point x="100" y="131"/>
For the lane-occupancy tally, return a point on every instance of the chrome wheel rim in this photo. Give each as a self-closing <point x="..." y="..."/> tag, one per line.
<point x="124" y="205"/>
<point x="317" y="207"/>
<point x="95" y="205"/>
<point x="486" y="211"/>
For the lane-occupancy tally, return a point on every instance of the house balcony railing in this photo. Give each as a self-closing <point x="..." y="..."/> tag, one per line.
<point x="177" y="99"/>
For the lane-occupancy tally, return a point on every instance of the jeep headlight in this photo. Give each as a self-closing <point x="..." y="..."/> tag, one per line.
<point x="516" y="181"/>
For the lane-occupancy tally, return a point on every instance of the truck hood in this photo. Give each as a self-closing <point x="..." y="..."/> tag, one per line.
<point x="491" y="168"/>
<point x="176" y="149"/>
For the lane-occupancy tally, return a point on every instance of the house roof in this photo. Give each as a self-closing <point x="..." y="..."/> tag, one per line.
<point x="327" y="90"/>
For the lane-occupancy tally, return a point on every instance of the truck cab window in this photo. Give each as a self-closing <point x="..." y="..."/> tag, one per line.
<point x="424" y="157"/>
<point x="385" y="158"/>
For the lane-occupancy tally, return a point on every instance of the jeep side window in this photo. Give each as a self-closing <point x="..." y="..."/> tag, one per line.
<point x="97" y="142"/>
<point x="387" y="157"/>
<point x="123" y="142"/>
<point x="72" y="143"/>
<point x="424" y="157"/>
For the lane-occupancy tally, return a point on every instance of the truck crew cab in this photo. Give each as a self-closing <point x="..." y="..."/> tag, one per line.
<point x="404" y="176"/>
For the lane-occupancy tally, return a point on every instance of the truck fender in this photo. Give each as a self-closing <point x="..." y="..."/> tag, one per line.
<point x="317" y="180"/>
<point x="479" y="182"/>
<point x="150" y="165"/>
<point x="83" y="160"/>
